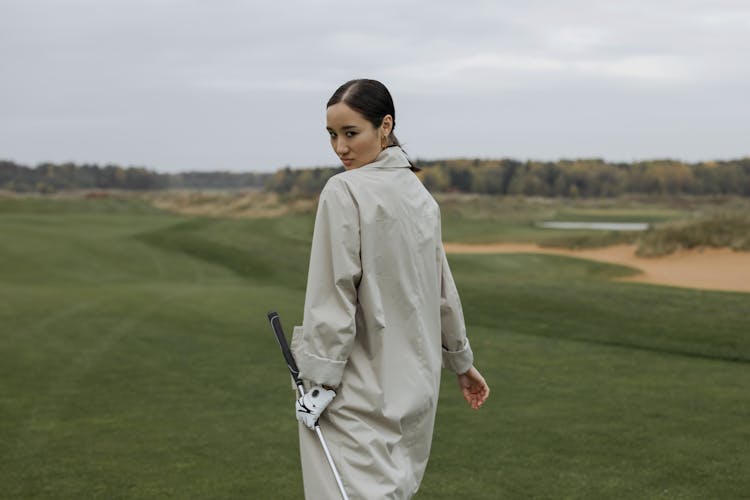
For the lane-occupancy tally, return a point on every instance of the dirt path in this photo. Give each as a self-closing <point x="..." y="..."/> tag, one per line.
<point x="710" y="268"/>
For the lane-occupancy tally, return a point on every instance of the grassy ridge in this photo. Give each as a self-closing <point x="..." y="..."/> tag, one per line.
<point x="136" y="362"/>
<point x="264" y="250"/>
<point x="722" y="230"/>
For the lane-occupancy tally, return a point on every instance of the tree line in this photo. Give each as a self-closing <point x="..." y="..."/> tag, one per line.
<point x="51" y="178"/>
<point x="563" y="178"/>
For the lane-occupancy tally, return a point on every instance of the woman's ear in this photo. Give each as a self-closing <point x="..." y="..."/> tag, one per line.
<point x="387" y="125"/>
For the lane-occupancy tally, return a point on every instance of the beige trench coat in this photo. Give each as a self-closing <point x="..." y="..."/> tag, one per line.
<point x="382" y="315"/>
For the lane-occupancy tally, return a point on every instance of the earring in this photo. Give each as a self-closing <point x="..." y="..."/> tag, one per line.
<point x="383" y="142"/>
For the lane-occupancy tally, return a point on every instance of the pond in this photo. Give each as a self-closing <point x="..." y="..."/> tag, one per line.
<point x="598" y="226"/>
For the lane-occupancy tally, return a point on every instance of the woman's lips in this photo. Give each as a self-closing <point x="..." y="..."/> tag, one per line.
<point x="346" y="161"/>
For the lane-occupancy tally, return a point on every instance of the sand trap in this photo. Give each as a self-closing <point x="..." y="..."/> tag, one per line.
<point x="710" y="268"/>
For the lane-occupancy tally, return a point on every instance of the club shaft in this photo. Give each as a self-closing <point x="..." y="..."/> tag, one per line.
<point x="330" y="462"/>
<point x="273" y="317"/>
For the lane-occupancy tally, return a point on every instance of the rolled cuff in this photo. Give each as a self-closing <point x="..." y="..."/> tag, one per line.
<point x="320" y="371"/>
<point x="315" y="369"/>
<point x="460" y="360"/>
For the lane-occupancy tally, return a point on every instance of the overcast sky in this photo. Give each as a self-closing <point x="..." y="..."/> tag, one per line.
<point x="242" y="85"/>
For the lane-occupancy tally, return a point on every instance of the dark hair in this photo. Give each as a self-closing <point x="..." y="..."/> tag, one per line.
<point x="371" y="99"/>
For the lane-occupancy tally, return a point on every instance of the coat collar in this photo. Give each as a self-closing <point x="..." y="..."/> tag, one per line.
<point x="391" y="157"/>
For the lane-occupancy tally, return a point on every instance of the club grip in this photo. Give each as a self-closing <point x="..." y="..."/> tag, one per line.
<point x="275" y="320"/>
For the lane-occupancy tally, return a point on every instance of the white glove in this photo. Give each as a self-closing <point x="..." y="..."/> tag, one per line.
<point x="311" y="405"/>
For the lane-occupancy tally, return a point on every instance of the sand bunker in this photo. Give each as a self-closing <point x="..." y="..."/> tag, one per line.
<point x="709" y="268"/>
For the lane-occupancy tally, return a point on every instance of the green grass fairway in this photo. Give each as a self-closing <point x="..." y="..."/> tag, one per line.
<point x="136" y="362"/>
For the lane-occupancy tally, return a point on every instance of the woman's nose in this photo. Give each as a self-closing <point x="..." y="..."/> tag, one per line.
<point x="340" y="146"/>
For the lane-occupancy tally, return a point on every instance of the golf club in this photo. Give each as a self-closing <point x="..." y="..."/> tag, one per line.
<point x="273" y="317"/>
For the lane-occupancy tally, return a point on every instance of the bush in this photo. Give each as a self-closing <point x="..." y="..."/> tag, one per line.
<point x="721" y="230"/>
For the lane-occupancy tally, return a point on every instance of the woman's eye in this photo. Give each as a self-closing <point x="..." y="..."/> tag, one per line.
<point x="351" y="134"/>
<point x="332" y="134"/>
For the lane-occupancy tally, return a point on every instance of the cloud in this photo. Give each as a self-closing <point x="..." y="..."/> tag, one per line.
<point x="487" y="71"/>
<point x="656" y="68"/>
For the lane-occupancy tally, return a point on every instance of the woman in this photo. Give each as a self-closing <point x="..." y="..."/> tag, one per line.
<point x="381" y="312"/>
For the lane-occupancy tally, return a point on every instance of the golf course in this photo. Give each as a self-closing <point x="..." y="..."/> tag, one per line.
<point x="136" y="359"/>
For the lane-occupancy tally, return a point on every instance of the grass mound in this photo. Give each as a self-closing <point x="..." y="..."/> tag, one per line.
<point x="247" y="204"/>
<point x="265" y="250"/>
<point x="590" y="239"/>
<point x="723" y="230"/>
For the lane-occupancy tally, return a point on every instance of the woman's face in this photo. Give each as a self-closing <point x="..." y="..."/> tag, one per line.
<point x="354" y="139"/>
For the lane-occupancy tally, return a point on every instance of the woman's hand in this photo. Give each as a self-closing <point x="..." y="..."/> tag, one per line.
<point x="475" y="389"/>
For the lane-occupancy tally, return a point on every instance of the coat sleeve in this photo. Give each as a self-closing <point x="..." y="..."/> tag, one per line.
<point x="328" y="327"/>
<point x="457" y="354"/>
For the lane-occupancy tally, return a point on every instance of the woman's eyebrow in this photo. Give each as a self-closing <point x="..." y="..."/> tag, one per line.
<point x="345" y="127"/>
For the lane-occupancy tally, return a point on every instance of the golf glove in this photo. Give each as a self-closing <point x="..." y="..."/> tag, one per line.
<point x="311" y="405"/>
